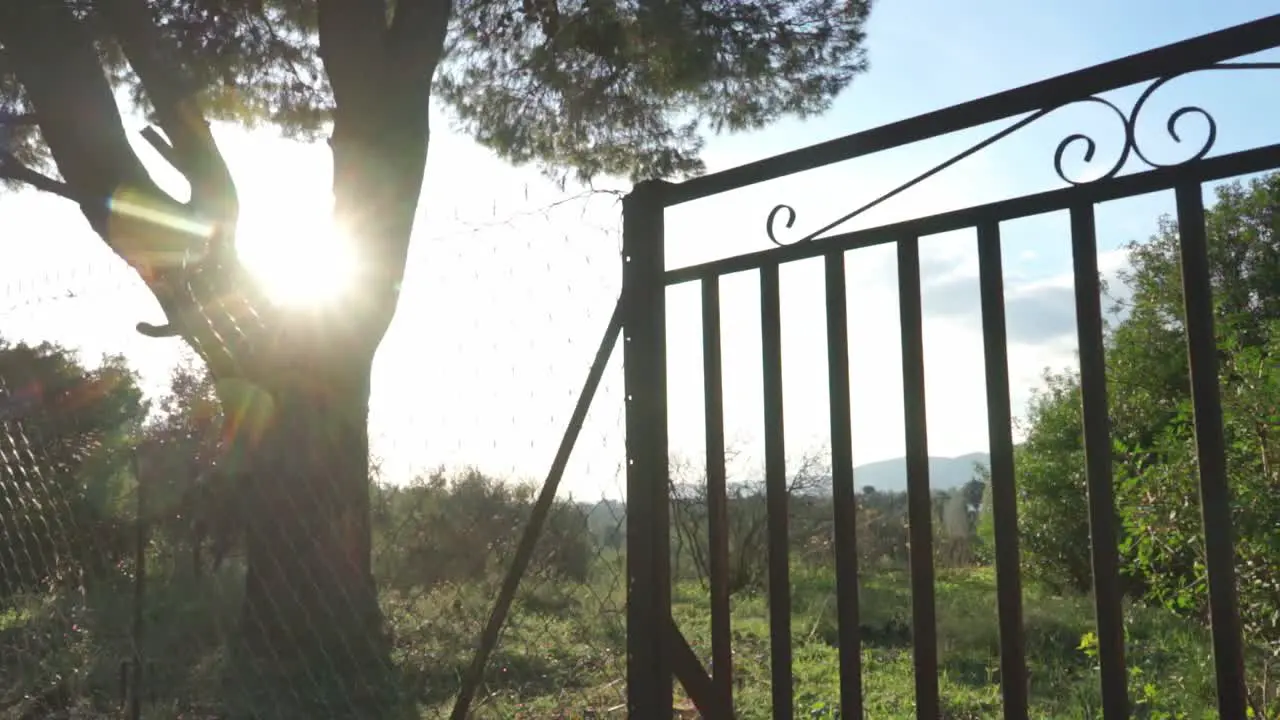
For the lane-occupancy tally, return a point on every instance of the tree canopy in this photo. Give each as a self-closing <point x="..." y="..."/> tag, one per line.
<point x="592" y="87"/>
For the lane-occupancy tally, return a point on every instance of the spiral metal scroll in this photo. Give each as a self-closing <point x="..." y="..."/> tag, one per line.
<point x="1130" y="123"/>
<point x="773" y="216"/>
<point x="1131" y="146"/>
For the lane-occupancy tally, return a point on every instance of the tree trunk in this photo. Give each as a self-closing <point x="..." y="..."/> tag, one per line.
<point x="297" y="386"/>
<point x="313" y="635"/>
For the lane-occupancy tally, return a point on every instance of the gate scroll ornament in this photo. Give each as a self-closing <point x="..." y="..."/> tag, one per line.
<point x="1131" y="147"/>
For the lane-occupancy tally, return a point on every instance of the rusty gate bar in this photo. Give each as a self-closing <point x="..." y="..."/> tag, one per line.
<point x="924" y="627"/>
<point x="777" y="500"/>
<point x="1098" y="473"/>
<point x="717" y="496"/>
<point x="1211" y="453"/>
<point x="1004" y="504"/>
<point x="649" y="651"/>
<point x="845" y="534"/>
<point x="1169" y="60"/>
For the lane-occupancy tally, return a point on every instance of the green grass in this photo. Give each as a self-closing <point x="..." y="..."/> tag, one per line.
<point x="562" y="653"/>
<point x="1171" y="654"/>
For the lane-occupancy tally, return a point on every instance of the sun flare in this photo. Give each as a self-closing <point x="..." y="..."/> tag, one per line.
<point x="302" y="259"/>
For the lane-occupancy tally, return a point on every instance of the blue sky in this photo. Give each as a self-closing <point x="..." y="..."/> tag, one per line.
<point x="505" y="301"/>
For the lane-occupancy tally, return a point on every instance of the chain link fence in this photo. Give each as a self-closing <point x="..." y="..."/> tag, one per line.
<point x="123" y="546"/>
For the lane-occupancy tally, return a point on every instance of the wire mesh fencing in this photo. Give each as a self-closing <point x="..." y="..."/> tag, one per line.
<point x="134" y="581"/>
<point x="69" y="529"/>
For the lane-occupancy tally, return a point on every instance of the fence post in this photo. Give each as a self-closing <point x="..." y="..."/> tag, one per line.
<point x="649" y="677"/>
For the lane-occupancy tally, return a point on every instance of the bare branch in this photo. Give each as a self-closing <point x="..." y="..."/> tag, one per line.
<point x="158" y="331"/>
<point x="66" y="87"/>
<point x="162" y="147"/>
<point x="152" y="55"/>
<point x="12" y="169"/>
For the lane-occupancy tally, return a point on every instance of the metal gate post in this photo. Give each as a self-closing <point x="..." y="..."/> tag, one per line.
<point x="649" y="677"/>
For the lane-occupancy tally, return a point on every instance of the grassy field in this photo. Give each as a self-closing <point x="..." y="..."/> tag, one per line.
<point x="1170" y="655"/>
<point x="1171" y="672"/>
<point x="562" y="654"/>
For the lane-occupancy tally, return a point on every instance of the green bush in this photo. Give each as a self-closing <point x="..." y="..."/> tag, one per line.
<point x="465" y="528"/>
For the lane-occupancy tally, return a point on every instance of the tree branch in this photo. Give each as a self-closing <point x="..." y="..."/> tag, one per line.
<point x="54" y="58"/>
<point x="354" y="52"/>
<point x="157" y="331"/>
<point x="214" y="297"/>
<point x="162" y="147"/>
<point x="12" y="169"/>
<point x="381" y="81"/>
<point x="417" y="37"/>
<point x="154" y="58"/>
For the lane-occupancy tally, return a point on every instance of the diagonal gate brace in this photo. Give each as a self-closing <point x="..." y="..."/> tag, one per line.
<point x="694" y="678"/>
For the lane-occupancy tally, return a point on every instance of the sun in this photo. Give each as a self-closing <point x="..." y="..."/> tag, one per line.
<point x="302" y="259"/>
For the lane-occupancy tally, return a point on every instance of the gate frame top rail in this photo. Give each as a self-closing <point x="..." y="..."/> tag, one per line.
<point x="1259" y="159"/>
<point x="1172" y="59"/>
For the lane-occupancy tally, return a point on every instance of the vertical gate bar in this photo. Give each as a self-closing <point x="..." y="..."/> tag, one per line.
<point x="776" y="494"/>
<point x="1211" y="453"/>
<point x="1097" y="450"/>
<point x="924" y="628"/>
<point x="842" y="489"/>
<point x="1004" y="508"/>
<point x="649" y="678"/>
<point x="717" y="494"/>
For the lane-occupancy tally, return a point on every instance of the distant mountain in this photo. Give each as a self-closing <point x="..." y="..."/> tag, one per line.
<point x="944" y="473"/>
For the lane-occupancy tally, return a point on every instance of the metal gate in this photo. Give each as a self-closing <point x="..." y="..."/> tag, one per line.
<point x="656" y="649"/>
